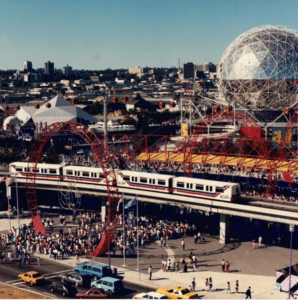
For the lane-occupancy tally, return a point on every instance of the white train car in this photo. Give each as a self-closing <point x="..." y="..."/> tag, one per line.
<point x="145" y="181"/>
<point x="217" y="190"/>
<point x="43" y="171"/>
<point x="83" y="174"/>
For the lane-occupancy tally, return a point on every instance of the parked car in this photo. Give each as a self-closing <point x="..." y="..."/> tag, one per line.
<point x="109" y="284"/>
<point x="150" y="295"/>
<point x="96" y="271"/>
<point x="177" y="292"/>
<point x="77" y="279"/>
<point x="63" y="289"/>
<point x="92" y="294"/>
<point x="31" y="277"/>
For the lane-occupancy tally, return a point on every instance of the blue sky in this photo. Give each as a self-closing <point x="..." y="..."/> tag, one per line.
<point x="100" y="34"/>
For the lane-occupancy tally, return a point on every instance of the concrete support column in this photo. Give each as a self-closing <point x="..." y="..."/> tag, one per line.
<point x="224" y="228"/>
<point x="103" y="210"/>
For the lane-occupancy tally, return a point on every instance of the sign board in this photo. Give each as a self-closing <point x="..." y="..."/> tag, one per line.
<point x="184" y="129"/>
<point x="282" y="135"/>
<point x="277" y="287"/>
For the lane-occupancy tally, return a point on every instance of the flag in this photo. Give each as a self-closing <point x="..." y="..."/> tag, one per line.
<point x="131" y="203"/>
<point x="10" y="181"/>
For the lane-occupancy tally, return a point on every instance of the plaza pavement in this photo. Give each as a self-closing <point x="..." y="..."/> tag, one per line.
<point x="251" y="267"/>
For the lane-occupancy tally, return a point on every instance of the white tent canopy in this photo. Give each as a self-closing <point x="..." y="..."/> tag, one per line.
<point x="55" y="110"/>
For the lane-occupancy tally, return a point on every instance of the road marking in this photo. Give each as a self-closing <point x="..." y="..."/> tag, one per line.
<point x="17" y="283"/>
<point x="48" y="294"/>
<point x="56" y="272"/>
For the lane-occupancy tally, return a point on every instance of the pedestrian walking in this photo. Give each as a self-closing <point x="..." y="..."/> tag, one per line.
<point x="237" y="287"/>
<point x="150" y="272"/>
<point x="193" y="285"/>
<point x="223" y="265"/>
<point x="38" y="260"/>
<point x="194" y="266"/>
<point x="195" y="239"/>
<point x="260" y="241"/>
<point x="248" y="293"/>
<point x="169" y="265"/>
<point x="20" y="263"/>
<point x="228" y="289"/>
<point x="199" y="236"/>
<point x="254" y="244"/>
<point x="210" y="284"/>
<point x="183" y="244"/>
<point x="227" y="267"/>
<point x="207" y="284"/>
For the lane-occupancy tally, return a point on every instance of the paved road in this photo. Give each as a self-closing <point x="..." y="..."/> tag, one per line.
<point x="51" y="271"/>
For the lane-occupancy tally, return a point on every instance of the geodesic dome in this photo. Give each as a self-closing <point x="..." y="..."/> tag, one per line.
<point x="259" y="69"/>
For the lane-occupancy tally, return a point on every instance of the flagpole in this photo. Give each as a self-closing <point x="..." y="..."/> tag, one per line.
<point x="138" y="249"/>
<point x="123" y="220"/>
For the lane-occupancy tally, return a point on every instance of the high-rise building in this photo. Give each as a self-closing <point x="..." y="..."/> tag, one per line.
<point x="66" y="70"/>
<point x="189" y="70"/>
<point x="49" y="68"/>
<point x="27" y="66"/>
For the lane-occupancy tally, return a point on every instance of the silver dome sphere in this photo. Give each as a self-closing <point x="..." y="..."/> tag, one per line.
<point x="259" y="69"/>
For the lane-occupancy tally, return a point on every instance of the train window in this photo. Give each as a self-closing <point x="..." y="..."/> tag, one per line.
<point x="189" y="186"/>
<point x="207" y="188"/>
<point x="69" y="172"/>
<point x="161" y="182"/>
<point x="95" y="175"/>
<point x="211" y="188"/>
<point x="53" y="171"/>
<point x="19" y="169"/>
<point x="85" y="174"/>
<point x="101" y="176"/>
<point x="180" y="184"/>
<point x="199" y="187"/>
<point x="219" y="189"/>
<point x="153" y="181"/>
<point x="37" y="170"/>
<point x="143" y="179"/>
<point x="25" y="170"/>
<point x="126" y="178"/>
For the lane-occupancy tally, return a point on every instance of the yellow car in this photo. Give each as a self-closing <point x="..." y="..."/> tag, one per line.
<point x="177" y="292"/>
<point x="31" y="277"/>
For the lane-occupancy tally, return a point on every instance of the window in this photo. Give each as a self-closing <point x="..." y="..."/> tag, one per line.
<point x="85" y="174"/>
<point x="101" y="175"/>
<point x="37" y="170"/>
<point x="19" y="169"/>
<point x="207" y="188"/>
<point x="189" y="186"/>
<point x="53" y="171"/>
<point x="153" y="181"/>
<point x="219" y="189"/>
<point x="126" y="178"/>
<point x="199" y="187"/>
<point x="69" y="172"/>
<point x="211" y="188"/>
<point x="180" y="184"/>
<point x="143" y="180"/>
<point x="161" y="182"/>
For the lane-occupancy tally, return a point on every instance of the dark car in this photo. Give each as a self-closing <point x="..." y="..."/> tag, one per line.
<point x="92" y="294"/>
<point x="77" y="279"/>
<point x="63" y="289"/>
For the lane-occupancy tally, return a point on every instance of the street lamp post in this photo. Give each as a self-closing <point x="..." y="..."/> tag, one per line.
<point x="291" y="229"/>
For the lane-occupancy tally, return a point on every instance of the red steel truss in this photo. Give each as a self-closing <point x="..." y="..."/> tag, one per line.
<point x="104" y="157"/>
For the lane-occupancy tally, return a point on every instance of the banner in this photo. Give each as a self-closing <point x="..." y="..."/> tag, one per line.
<point x="254" y="133"/>
<point x="184" y="129"/>
<point x="130" y="219"/>
<point x="282" y="135"/>
<point x="131" y="203"/>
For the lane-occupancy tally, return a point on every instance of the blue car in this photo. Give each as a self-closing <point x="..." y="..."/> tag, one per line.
<point x="96" y="271"/>
<point x="109" y="284"/>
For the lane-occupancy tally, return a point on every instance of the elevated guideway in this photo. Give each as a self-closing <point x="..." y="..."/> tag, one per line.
<point x="246" y="207"/>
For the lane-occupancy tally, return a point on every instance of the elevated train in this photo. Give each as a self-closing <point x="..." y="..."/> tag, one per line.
<point x="134" y="180"/>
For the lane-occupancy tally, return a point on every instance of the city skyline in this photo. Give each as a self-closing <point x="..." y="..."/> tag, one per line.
<point x="97" y="35"/>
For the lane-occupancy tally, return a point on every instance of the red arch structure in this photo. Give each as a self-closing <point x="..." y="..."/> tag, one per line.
<point x="105" y="159"/>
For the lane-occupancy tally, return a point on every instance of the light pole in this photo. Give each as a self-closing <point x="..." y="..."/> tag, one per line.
<point x="291" y="229"/>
